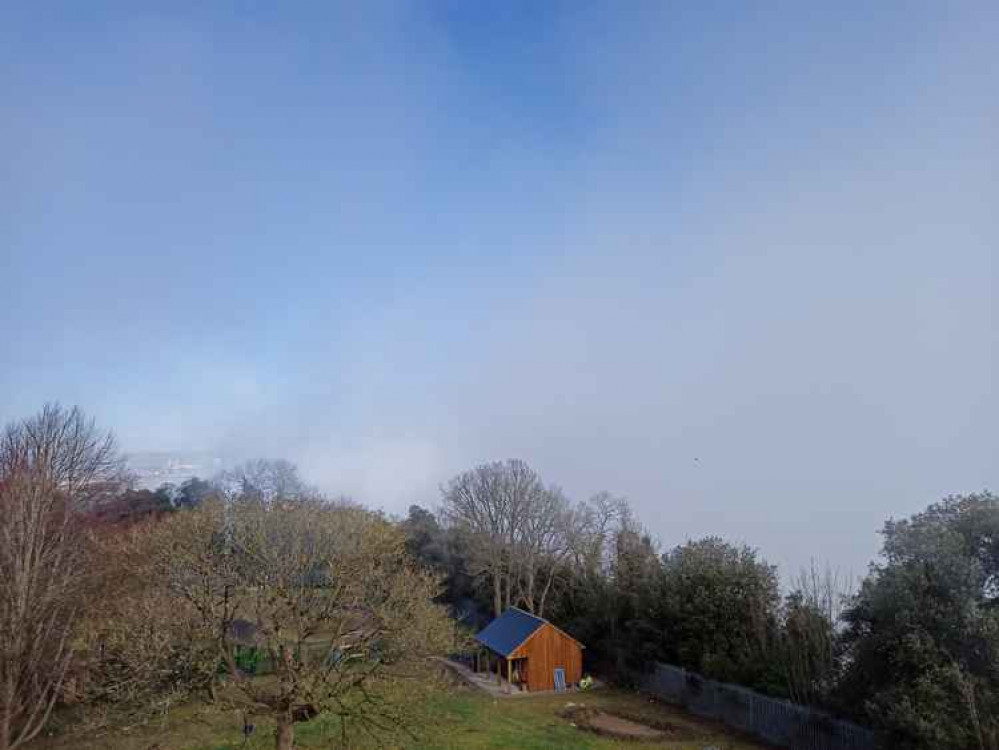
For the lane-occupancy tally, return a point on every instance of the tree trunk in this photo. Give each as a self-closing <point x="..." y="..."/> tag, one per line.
<point x="497" y="592"/>
<point x="544" y="594"/>
<point x="528" y="595"/>
<point x="4" y="727"/>
<point x="285" y="732"/>
<point x="6" y="712"/>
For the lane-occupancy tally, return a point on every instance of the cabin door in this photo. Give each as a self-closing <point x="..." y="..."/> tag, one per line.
<point x="559" y="679"/>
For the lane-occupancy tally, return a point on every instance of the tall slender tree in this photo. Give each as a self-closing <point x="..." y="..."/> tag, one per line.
<point x="54" y="467"/>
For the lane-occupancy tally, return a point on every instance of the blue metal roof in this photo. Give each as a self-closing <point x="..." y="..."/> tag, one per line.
<point x="504" y="634"/>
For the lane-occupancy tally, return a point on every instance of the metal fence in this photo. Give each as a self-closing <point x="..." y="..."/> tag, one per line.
<point x="775" y="721"/>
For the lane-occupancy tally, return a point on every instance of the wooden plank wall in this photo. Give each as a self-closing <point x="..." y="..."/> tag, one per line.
<point x="546" y="650"/>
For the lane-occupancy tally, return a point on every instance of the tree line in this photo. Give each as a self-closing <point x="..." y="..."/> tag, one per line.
<point x="913" y="651"/>
<point x="136" y="599"/>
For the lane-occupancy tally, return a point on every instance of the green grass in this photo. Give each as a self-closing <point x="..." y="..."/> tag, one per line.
<point x="457" y="719"/>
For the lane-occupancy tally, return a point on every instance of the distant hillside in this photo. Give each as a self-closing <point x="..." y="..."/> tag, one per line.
<point x="155" y="468"/>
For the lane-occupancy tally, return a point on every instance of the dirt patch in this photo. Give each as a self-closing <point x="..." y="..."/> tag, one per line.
<point x="615" y="726"/>
<point x="619" y="727"/>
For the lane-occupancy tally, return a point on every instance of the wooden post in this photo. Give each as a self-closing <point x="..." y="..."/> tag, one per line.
<point x="509" y="677"/>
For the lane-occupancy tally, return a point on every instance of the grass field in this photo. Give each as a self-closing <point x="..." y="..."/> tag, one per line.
<point x="456" y="718"/>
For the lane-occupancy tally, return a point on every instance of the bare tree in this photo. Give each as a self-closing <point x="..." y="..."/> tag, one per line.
<point x="53" y="466"/>
<point x="826" y="589"/>
<point x="542" y="547"/>
<point x="526" y="536"/>
<point x="265" y="479"/>
<point x="326" y="594"/>
<point x="594" y="524"/>
<point x="811" y="614"/>
<point x="491" y="502"/>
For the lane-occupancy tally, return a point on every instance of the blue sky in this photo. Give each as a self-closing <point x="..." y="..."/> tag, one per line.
<point x="392" y="240"/>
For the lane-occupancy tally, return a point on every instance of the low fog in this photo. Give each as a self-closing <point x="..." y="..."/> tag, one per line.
<point x="758" y="306"/>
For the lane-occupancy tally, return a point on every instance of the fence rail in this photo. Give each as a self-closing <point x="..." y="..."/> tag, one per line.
<point x="775" y="721"/>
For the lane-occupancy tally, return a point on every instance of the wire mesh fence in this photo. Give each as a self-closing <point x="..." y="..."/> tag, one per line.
<point x="775" y="721"/>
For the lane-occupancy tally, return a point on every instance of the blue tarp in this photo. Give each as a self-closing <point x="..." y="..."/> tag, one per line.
<point x="504" y="634"/>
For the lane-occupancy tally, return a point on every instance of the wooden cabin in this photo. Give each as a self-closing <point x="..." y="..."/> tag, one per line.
<point x="530" y="653"/>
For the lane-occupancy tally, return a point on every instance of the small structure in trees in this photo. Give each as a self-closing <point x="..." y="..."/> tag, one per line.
<point x="529" y="652"/>
<point x="242" y="632"/>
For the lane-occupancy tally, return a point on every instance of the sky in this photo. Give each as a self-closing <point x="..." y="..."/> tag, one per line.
<point x="734" y="261"/>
